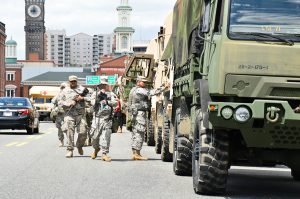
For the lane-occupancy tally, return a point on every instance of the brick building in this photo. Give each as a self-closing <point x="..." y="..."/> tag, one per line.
<point x="113" y="67"/>
<point x="13" y="73"/>
<point x="2" y="59"/>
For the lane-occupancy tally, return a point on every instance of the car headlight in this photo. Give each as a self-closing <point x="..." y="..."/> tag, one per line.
<point x="227" y="112"/>
<point x="242" y="114"/>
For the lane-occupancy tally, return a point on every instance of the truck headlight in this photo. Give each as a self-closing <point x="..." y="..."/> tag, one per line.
<point x="242" y="114"/>
<point x="227" y="112"/>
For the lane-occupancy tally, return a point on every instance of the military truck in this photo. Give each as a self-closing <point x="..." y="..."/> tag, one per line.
<point x="236" y="88"/>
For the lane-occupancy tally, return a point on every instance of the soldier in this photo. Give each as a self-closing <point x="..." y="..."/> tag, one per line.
<point x="102" y="121"/>
<point x="138" y="106"/>
<point x="73" y="101"/>
<point x="89" y="118"/>
<point x="59" y="114"/>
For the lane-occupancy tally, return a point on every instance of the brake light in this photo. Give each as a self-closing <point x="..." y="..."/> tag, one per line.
<point x="23" y="112"/>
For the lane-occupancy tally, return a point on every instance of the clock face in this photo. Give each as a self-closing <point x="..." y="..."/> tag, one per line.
<point x="34" y="11"/>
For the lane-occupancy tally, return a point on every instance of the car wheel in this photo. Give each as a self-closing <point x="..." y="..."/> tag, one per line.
<point x="36" y="130"/>
<point x="29" y="130"/>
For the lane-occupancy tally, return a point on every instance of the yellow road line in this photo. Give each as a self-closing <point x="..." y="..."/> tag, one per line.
<point x="12" y="144"/>
<point x="0" y="152"/>
<point x="21" y="144"/>
<point x="48" y="133"/>
<point x="30" y="137"/>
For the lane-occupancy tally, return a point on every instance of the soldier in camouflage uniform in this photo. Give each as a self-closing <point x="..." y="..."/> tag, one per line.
<point x="138" y="106"/>
<point x="73" y="101"/>
<point x="59" y="112"/>
<point x="103" y="102"/>
<point x="89" y="118"/>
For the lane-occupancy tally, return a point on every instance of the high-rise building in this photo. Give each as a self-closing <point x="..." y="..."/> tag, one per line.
<point x="67" y="51"/>
<point x="35" y="29"/>
<point x="81" y="50"/>
<point x="124" y="32"/>
<point x="2" y="59"/>
<point x="56" y="46"/>
<point x="102" y="45"/>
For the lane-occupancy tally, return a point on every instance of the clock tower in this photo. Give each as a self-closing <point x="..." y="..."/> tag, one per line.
<point x="35" y="29"/>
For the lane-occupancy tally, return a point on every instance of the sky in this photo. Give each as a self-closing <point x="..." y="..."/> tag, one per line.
<point x="87" y="16"/>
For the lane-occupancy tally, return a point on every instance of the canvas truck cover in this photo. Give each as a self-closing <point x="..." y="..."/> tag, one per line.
<point x="186" y="17"/>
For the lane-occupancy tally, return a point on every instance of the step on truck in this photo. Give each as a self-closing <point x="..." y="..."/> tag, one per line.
<point x="236" y="88"/>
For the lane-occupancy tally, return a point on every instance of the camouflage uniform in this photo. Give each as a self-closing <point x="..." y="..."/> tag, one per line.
<point x="102" y="123"/>
<point x="89" y="119"/>
<point x="60" y="115"/>
<point x="138" y="105"/>
<point x="74" y="117"/>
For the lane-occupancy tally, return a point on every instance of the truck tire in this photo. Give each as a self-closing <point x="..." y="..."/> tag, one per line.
<point x="166" y="156"/>
<point x="182" y="155"/>
<point x="296" y="174"/>
<point x="150" y="134"/>
<point x="158" y="141"/>
<point x="210" y="160"/>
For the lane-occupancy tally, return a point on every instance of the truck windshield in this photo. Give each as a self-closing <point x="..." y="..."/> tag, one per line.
<point x="256" y="19"/>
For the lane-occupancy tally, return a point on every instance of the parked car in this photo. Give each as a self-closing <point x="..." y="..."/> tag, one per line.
<point x="18" y="113"/>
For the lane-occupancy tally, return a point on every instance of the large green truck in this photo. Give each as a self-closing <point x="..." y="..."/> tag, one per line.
<point x="236" y="91"/>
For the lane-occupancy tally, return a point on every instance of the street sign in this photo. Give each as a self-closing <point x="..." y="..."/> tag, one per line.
<point x="92" y="80"/>
<point x="111" y="80"/>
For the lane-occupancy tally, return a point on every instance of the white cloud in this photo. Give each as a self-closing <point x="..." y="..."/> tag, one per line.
<point x="88" y="16"/>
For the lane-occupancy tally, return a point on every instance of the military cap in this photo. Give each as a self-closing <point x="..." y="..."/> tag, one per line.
<point x="73" y="78"/>
<point x="63" y="85"/>
<point x="141" y="79"/>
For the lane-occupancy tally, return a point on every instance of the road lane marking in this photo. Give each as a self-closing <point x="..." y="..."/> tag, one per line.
<point x="48" y="133"/>
<point x="11" y="144"/>
<point x="260" y="169"/>
<point x="30" y="137"/>
<point x="21" y="144"/>
<point x="0" y="152"/>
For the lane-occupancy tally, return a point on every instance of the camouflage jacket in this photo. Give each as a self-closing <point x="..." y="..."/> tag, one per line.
<point x="104" y="109"/>
<point x="68" y="97"/>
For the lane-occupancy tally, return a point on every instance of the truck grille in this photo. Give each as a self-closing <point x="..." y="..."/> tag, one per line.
<point x="285" y="92"/>
<point x="286" y="135"/>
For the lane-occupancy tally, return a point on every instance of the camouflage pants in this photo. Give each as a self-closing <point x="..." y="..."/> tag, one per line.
<point x="101" y="132"/>
<point x="139" y="127"/>
<point x="72" y="123"/>
<point x="89" y="118"/>
<point x="59" y="122"/>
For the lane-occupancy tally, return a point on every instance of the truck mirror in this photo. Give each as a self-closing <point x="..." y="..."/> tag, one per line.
<point x="205" y="21"/>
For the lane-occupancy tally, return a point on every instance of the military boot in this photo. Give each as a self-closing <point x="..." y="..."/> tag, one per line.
<point x="69" y="154"/>
<point x="138" y="156"/>
<point x="134" y="154"/>
<point x="94" y="154"/>
<point x="105" y="158"/>
<point x="119" y="130"/>
<point x="61" y="143"/>
<point x="80" y="150"/>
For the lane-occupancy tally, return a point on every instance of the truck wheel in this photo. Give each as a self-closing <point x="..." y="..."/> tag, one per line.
<point x="36" y="130"/>
<point x="158" y="141"/>
<point x="150" y="134"/>
<point x="296" y="174"/>
<point x="210" y="160"/>
<point x="29" y="130"/>
<point x="166" y="156"/>
<point x="182" y="155"/>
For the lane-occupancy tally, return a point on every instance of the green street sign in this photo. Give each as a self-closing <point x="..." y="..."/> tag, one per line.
<point x="111" y="80"/>
<point x="92" y="80"/>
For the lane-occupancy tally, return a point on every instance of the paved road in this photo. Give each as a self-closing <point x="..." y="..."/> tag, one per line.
<point x="33" y="167"/>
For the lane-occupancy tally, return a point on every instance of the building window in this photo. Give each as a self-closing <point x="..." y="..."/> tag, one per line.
<point x="124" y="22"/>
<point x="10" y="92"/>
<point x="124" y="42"/>
<point x="10" y="77"/>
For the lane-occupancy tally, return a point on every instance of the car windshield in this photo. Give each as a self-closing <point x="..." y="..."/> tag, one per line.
<point x="267" y="17"/>
<point x="13" y="102"/>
